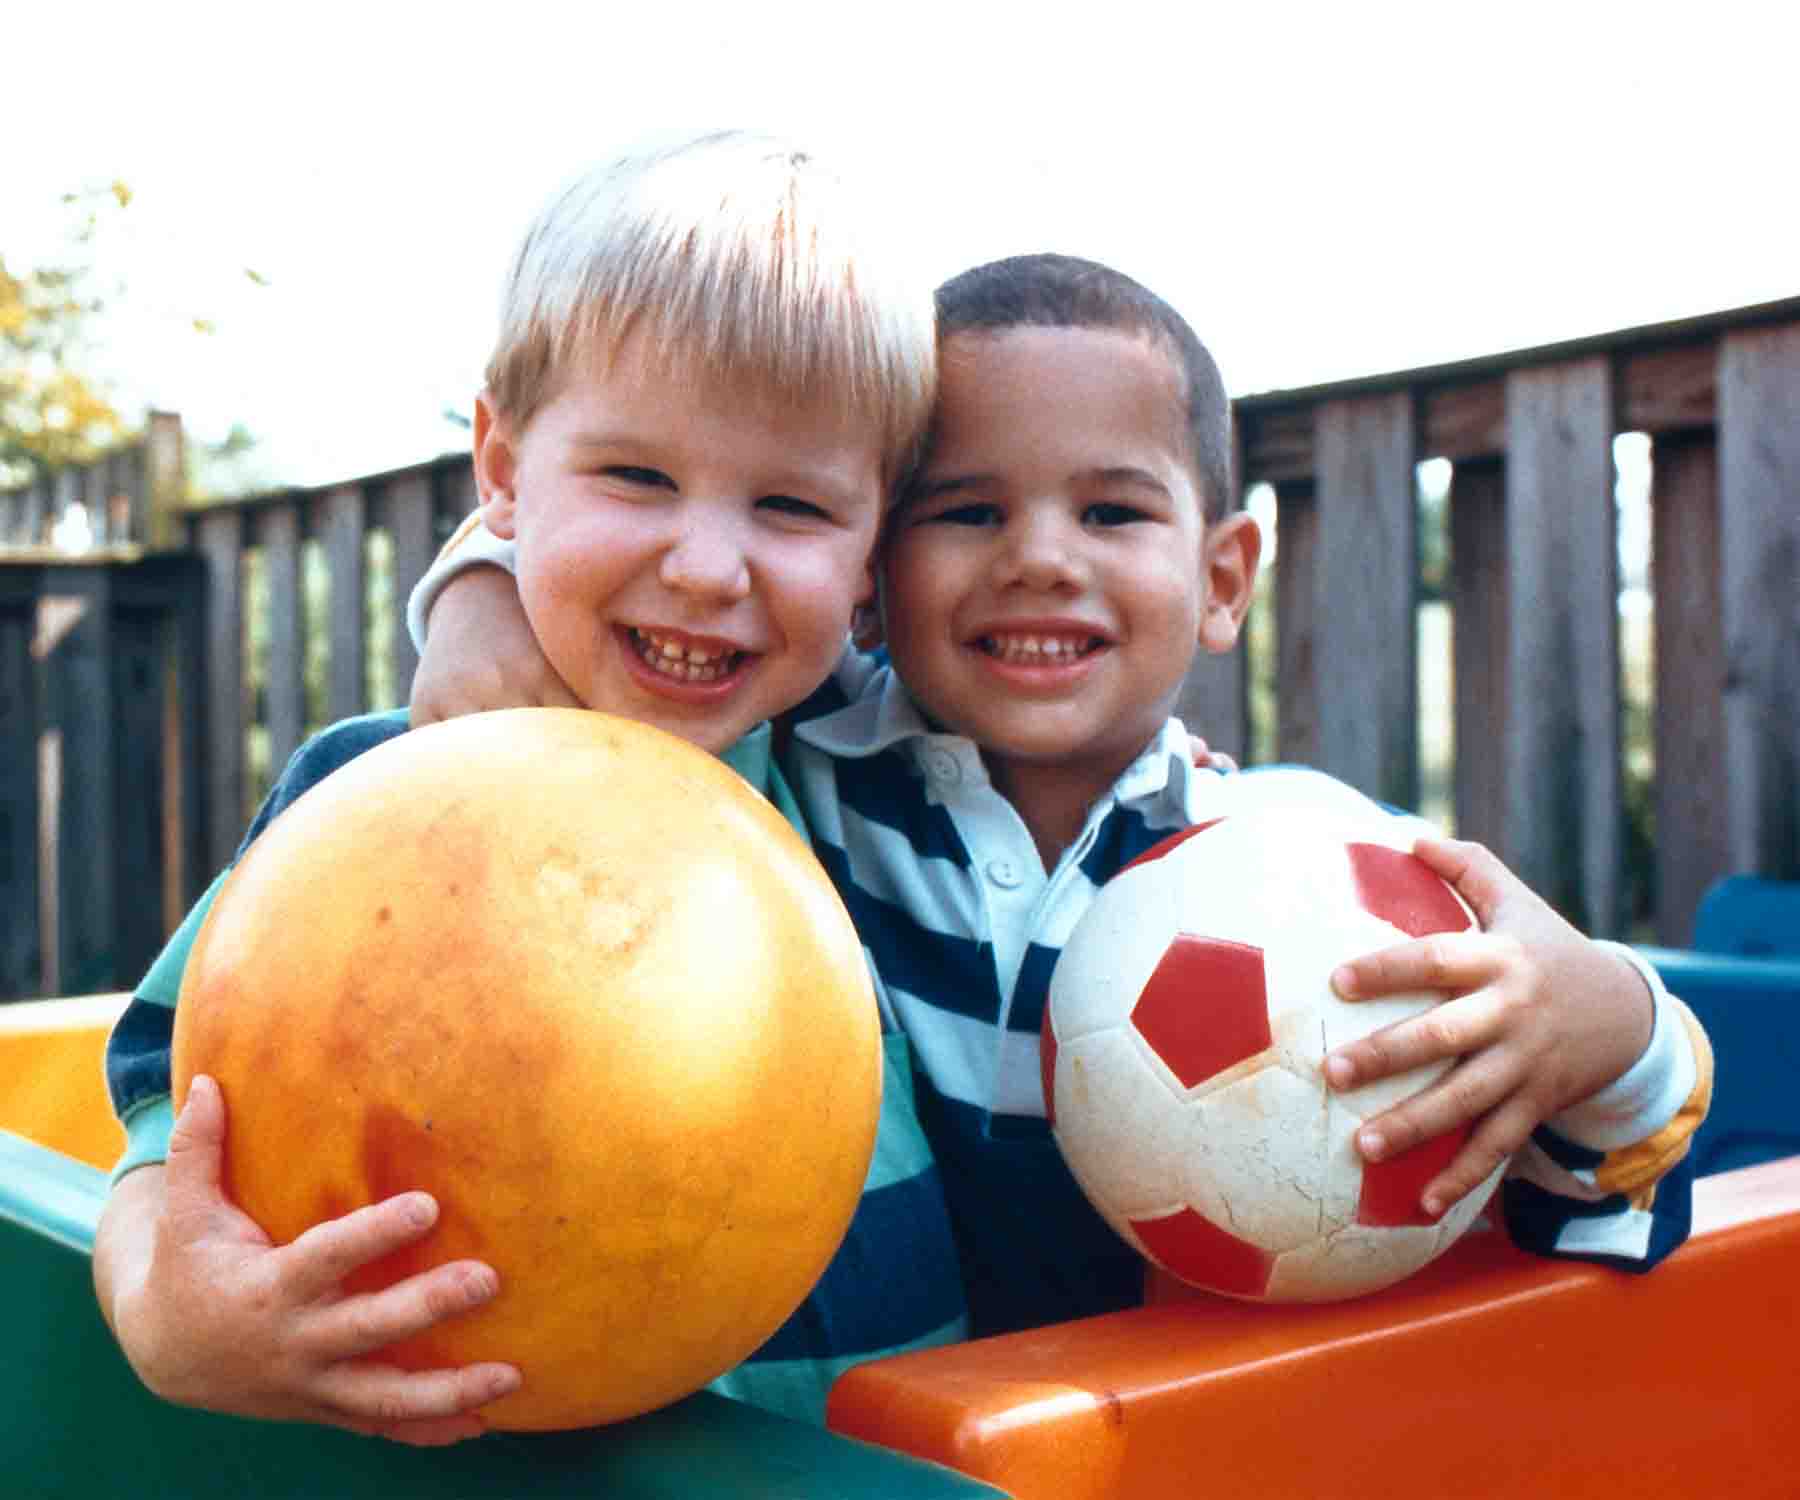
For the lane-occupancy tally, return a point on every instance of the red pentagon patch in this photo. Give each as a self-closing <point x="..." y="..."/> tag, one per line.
<point x="1198" y="1251"/>
<point x="1205" y="1007"/>
<point x="1391" y="1188"/>
<point x="1402" y="890"/>
<point x="1047" y="1061"/>
<point x="1168" y="845"/>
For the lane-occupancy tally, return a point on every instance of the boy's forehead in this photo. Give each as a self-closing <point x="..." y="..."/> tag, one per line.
<point x="663" y="371"/>
<point x="1101" y="394"/>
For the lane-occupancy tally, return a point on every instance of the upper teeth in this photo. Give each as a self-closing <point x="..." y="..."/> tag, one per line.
<point x="675" y="651"/>
<point x="1038" y="645"/>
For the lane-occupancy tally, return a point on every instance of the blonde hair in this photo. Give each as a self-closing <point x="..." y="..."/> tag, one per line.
<point x="743" y="261"/>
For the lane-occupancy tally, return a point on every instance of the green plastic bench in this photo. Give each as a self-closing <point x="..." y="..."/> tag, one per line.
<point x="75" y="1421"/>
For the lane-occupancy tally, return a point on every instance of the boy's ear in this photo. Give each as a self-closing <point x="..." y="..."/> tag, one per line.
<point x="1228" y="562"/>
<point x="494" y="461"/>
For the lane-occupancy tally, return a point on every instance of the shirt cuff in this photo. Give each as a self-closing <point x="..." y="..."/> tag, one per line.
<point x="1649" y="1094"/>
<point x="147" y="1131"/>
<point x="472" y="546"/>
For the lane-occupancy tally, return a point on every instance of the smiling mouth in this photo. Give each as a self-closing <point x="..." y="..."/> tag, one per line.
<point x="682" y="661"/>
<point x="1038" y="650"/>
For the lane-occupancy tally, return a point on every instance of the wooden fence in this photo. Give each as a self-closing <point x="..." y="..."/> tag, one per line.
<point x="1532" y="588"/>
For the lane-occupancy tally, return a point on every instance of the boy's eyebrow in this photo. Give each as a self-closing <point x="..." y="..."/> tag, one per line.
<point x="1125" y="474"/>
<point x="929" y="488"/>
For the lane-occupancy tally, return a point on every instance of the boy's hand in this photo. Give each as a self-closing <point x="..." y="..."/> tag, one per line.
<point x="480" y="653"/>
<point x="1206" y="758"/>
<point x="216" y="1316"/>
<point x="1539" y="1017"/>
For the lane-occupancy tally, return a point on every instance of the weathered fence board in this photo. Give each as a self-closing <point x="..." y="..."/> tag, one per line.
<point x="82" y="714"/>
<point x="1759" y="541"/>
<point x="1364" y="584"/>
<point x="219" y="534"/>
<point x="411" y="512"/>
<point x="20" y="970"/>
<point x="278" y="538"/>
<point x="1691" y="815"/>
<point x="1297" y="625"/>
<point x="345" y="527"/>
<point x="1478" y="584"/>
<point x="1563" y="821"/>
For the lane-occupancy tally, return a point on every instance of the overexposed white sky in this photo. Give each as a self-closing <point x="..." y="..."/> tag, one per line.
<point x="1325" y="190"/>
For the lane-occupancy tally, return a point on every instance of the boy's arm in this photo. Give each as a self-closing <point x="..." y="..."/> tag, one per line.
<point x="1551" y="1030"/>
<point x="476" y="647"/>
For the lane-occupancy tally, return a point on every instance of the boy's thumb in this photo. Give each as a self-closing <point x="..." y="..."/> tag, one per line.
<point x="1475" y="873"/>
<point x="197" y="1142"/>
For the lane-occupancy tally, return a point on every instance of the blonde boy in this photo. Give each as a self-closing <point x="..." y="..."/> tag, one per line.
<point x="707" y="377"/>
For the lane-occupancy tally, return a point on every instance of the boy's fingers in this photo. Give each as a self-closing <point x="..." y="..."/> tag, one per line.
<point x="1456" y="1028"/>
<point x="1448" y="963"/>
<point x="364" y="1324"/>
<point x="1463" y="1094"/>
<point x="1498" y="1137"/>
<point x="435" y="1404"/>
<point x="326" y="1253"/>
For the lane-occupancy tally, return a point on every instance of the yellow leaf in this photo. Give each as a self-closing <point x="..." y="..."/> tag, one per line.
<point x="122" y="191"/>
<point x="204" y="325"/>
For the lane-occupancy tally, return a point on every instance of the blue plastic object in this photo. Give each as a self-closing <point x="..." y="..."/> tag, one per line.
<point x="1750" y="917"/>
<point x="1750" y="1008"/>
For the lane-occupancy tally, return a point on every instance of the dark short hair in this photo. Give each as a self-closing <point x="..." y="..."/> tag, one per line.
<point x="1064" y="291"/>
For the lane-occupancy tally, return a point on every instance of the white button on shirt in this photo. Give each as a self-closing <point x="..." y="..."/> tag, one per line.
<point x="940" y="765"/>
<point x="1004" y="873"/>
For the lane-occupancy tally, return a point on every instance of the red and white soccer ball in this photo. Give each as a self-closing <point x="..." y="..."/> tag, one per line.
<point x="1187" y="1020"/>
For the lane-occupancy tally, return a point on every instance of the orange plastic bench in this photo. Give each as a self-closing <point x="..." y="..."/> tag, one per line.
<point x="1489" y="1373"/>
<point x="52" y="1075"/>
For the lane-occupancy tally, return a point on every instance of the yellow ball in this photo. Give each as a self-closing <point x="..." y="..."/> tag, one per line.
<point x="575" y="978"/>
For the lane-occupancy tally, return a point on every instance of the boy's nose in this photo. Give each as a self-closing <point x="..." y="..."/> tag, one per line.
<point x="1042" y="553"/>
<point x="708" y="560"/>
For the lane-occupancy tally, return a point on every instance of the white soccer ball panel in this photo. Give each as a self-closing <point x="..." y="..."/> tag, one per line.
<point x="1112" y="953"/>
<point x="1125" y="1134"/>
<point x="1262" y="1164"/>
<point x="1354" y="1260"/>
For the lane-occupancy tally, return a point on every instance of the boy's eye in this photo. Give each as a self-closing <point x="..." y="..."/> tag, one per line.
<point x="974" y="513"/>
<point x="634" y="474"/>
<point x="793" y="505"/>
<point x="1111" y="513"/>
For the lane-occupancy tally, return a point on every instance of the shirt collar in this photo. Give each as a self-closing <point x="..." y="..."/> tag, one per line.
<point x="753" y="758"/>
<point x="881" y="716"/>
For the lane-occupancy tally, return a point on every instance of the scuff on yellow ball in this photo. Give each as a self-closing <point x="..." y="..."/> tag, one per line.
<point x="575" y="978"/>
